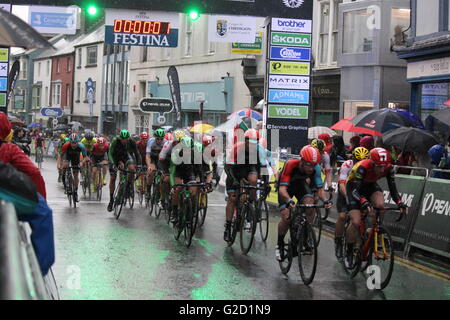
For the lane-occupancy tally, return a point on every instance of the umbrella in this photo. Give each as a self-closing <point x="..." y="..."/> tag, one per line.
<point x="202" y="128"/>
<point x="413" y="118"/>
<point x="346" y="125"/>
<point x="410" y="139"/>
<point x="233" y="122"/>
<point x="14" y="32"/>
<point x="34" y="125"/>
<point x="314" y="132"/>
<point x="75" y="125"/>
<point x="248" y="113"/>
<point x="439" y="121"/>
<point x="16" y="121"/>
<point x="260" y="105"/>
<point x="380" y="120"/>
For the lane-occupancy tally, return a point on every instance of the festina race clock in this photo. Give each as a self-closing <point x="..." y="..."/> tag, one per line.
<point x="141" y="27"/>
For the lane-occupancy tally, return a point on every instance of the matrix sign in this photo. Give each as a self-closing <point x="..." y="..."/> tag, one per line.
<point x="140" y="28"/>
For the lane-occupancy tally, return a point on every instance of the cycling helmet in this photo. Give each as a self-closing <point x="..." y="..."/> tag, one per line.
<point x="360" y="153"/>
<point x="367" y="142"/>
<point x="159" y="133"/>
<point x="318" y="144"/>
<point x="436" y="153"/>
<point x="144" y="135"/>
<point x="325" y="137"/>
<point x="89" y="135"/>
<point x="198" y="147"/>
<point x="101" y="140"/>
<point x="178" y="135"/>
<point x="380" y="156"/>
<point x="124" y="134"/>
<point x="168" y="136"/>
<point x="66" y="139"/>
<point x="187" y="142"/>
<point x="252" y="135"/>
<point x="73" y="138"/>
<point x="310" y="154"/>
<point x="207" y="140"/>
<point x="62" y="136"/>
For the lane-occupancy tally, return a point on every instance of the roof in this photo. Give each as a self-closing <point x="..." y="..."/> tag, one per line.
<point x="96" y="36"/>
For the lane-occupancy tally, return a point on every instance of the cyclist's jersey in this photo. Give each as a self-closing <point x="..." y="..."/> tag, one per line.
<point x="73" y="153"/>
<point x="344" y="171"/>
<point x="292" y="174"/>
<point x="239" y="150"/>
<point x="154" y="149"/>
<point x="120" y="152"/>
<point x="325" y="161"/>
<point x="89" y="145"/>
<point x="266" y="157"/>
<point x="60" y="144"/>
<point x="39" y="142"/>
<point x="166" y="151"/>
<point x="100" y="150"/>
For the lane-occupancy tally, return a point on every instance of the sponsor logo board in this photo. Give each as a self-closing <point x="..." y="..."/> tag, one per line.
<point x="289" y="96"/>
<point x="291" y="25"/>
<point x="290" y="39"/>
<point x="240" y="29"/>
<point x="287" y="112"/>
<point x="290" y="53"/>
<point x="294" y="68"/>
<point x="288" y="82"/>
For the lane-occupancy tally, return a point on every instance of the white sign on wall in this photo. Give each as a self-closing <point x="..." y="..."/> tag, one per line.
<point x="428" y="68"/>
<point x="240" y="29"/>
<point x="291" y="25"/>
<point x="46" y="19"/>
<point x="435" y="89"/>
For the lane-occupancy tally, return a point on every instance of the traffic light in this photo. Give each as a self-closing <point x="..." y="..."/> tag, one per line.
<point x="193" y="14"/>
<point x="92" y="10"/>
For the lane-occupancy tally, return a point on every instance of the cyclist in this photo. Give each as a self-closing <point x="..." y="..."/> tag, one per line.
<point x="70" y="152"/>
<point x="123" y="153"/>
<point x="362" y="190"/>
<point x="21" y="140"/>
<point x="299" y="179"/>
<point x="89" y="141"/>
<point x="209" y="163"/>
<point x="100" y="155"/>
<point x="62" y="140"/>
<point x="243" y="163"/>
<point x="358" y="154"/>
<point x="325" y="162"/>
<point x="40" y="145"/>
<point x="152" y="151"/>
<point x="141" y="145"/>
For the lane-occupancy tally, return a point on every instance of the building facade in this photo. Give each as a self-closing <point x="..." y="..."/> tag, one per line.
<point x="427" y="53"/>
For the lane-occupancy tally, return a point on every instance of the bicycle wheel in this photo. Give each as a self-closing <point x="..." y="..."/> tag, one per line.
<point x="189" y="221"/>
<point x="99" y="185"/>
<point x="247" y="228"/>
<point x="307" y="253"/>
<point x="264" y="220"/>
<point x="83" y="183"/>
<point x="384" y="258"/>
<point x="119" y="200"/>
<point x="202" y="208"/>
<point x="235" y="226"/>
<point x="168" y="211"/>
<point x="140" y="190"/>
<point x="131" y="195"/>
<point x="317" y="224"/>
<point x="157" y="196"/>
<point x="69" y="186"/>
<point x="286" y="264"/>
<point x="89" y="182"/>
<point x="352" y="270"/>
<point x="152" y="198"/>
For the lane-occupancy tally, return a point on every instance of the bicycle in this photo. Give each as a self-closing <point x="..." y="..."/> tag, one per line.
<point x="244" y="218"/>
<point x="155" y="194"/>
<point x="98" y="181"/>
<point x="123" y="191"/>
<point x="203" y="201"/>
<point x="39" y="157"/>
<point x="188" y="214"/>
<point x="86" y="178"/>
<point x="377" y="239"/>
<point x="69" y="186"/>
<point x="301" y="243"/>
<point x="141" y="183"/>
<point x="262" y="209"/>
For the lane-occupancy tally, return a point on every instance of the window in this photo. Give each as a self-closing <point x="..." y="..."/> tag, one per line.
<point x="144" y="54"/>
<point x="68" y="95"/>
<point x="46" y="96"/>
<point x="80" y="55"/>
<point x="57" y="65"/>
<point x="23" y="67"/>
<point x="357" y="36"/>
<point x="399" y="23"/>
<point x="188" y="38"/>
<point x="39" y="69"/>
<point x="68" y="64"/>
<point x="335" y="30"/>
<point x="328" y="32"/>
<point x="48" y="67"/>
<point x="427" y="20"/>
<point x="78" y="91"/>
<point x="324" y="32"/>
<point x="36" y="97"/>
<point x="91" y="56"/>
<point x="56" y="95"/>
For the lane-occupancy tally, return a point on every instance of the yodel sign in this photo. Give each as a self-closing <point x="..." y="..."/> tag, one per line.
<point x="157" y="105"/>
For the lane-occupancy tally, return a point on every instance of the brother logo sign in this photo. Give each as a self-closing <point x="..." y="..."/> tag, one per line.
<point x="291" y="25"/>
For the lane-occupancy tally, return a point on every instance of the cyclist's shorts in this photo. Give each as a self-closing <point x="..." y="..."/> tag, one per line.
<point x="201" y="169"/>
<point x="300" y="190"/>
<point x="98" y="159"/>
<point x="366" y="190"/>
<point x="74" y="162"/>
<point x="184" y="173"/>
<point x="341" y="203"/>
<point x="240" y="172"/>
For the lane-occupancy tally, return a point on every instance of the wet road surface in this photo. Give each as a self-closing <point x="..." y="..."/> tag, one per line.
<point x="137" y="257"/>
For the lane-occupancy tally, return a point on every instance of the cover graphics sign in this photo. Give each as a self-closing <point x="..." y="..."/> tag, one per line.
<point x="294" y="68"/>
<point x="290" y="53"/>
<point x="240" y="29"/>
<point x="289" y="96"/>
<point x="288" y="82"/>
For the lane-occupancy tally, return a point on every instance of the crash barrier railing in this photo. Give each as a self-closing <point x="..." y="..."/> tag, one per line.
<point x="427" y="225"/>
<point x="20" y="274"/>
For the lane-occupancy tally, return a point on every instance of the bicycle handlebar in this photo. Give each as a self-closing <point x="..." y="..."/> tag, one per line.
<point x="394" y="209"/>
<point x="184" y="185"/>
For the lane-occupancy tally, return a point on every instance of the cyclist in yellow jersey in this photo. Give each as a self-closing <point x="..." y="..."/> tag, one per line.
<point x="89" y="141"/>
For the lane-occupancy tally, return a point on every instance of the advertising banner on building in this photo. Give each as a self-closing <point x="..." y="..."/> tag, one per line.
<point x="288" y="82"/>
<point x="290" y="53"/>
<point x="174" y="84"/>
<point x="248" y="48"/>
<point x="240" y="29"/>
<point x="57" y="20"/>
<point x="141" y="28"/>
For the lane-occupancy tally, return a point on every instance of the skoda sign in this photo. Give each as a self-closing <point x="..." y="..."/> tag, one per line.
<point x="52" y="112"/>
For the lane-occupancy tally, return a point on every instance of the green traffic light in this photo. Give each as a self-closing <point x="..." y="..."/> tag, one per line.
<point x="194" y="15"/>
<point x="92" y="10"/>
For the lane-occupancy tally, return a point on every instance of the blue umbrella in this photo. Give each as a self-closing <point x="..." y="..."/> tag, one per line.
<point x="34" y="125"/>
<point x="413" y="118"/>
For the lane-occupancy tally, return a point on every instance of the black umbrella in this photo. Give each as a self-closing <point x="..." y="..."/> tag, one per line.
<point x="380" y="120"/>
<point x="439" y="121"/>
<point x="14" y="32"/>
<point x="410" y="139"/>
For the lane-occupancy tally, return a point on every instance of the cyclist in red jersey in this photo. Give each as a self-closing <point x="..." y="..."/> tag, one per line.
<point x="100" y="155"/>
<point x="363" y="190"/>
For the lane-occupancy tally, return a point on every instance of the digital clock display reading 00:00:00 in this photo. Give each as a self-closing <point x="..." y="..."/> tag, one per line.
<point x="143" y="27"/>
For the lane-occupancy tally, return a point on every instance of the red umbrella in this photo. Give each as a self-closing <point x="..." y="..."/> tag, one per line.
<point x="346" y="125"/>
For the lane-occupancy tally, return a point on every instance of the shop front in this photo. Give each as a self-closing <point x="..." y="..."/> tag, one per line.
<point x="325" y="99"/>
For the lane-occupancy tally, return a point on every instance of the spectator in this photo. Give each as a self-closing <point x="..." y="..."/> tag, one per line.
<point x="440" y="159"/>
<point x="406" y="159"/>
<point x="328" y="142"/>
<point x="338" y="152"/>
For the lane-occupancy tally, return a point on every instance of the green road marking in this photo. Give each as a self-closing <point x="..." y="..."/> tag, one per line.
<point x="197" y="275"/>
<point x="210" y="247"/>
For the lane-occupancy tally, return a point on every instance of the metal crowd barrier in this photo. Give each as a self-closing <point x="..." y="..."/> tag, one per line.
<point x="20" y="274"/>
